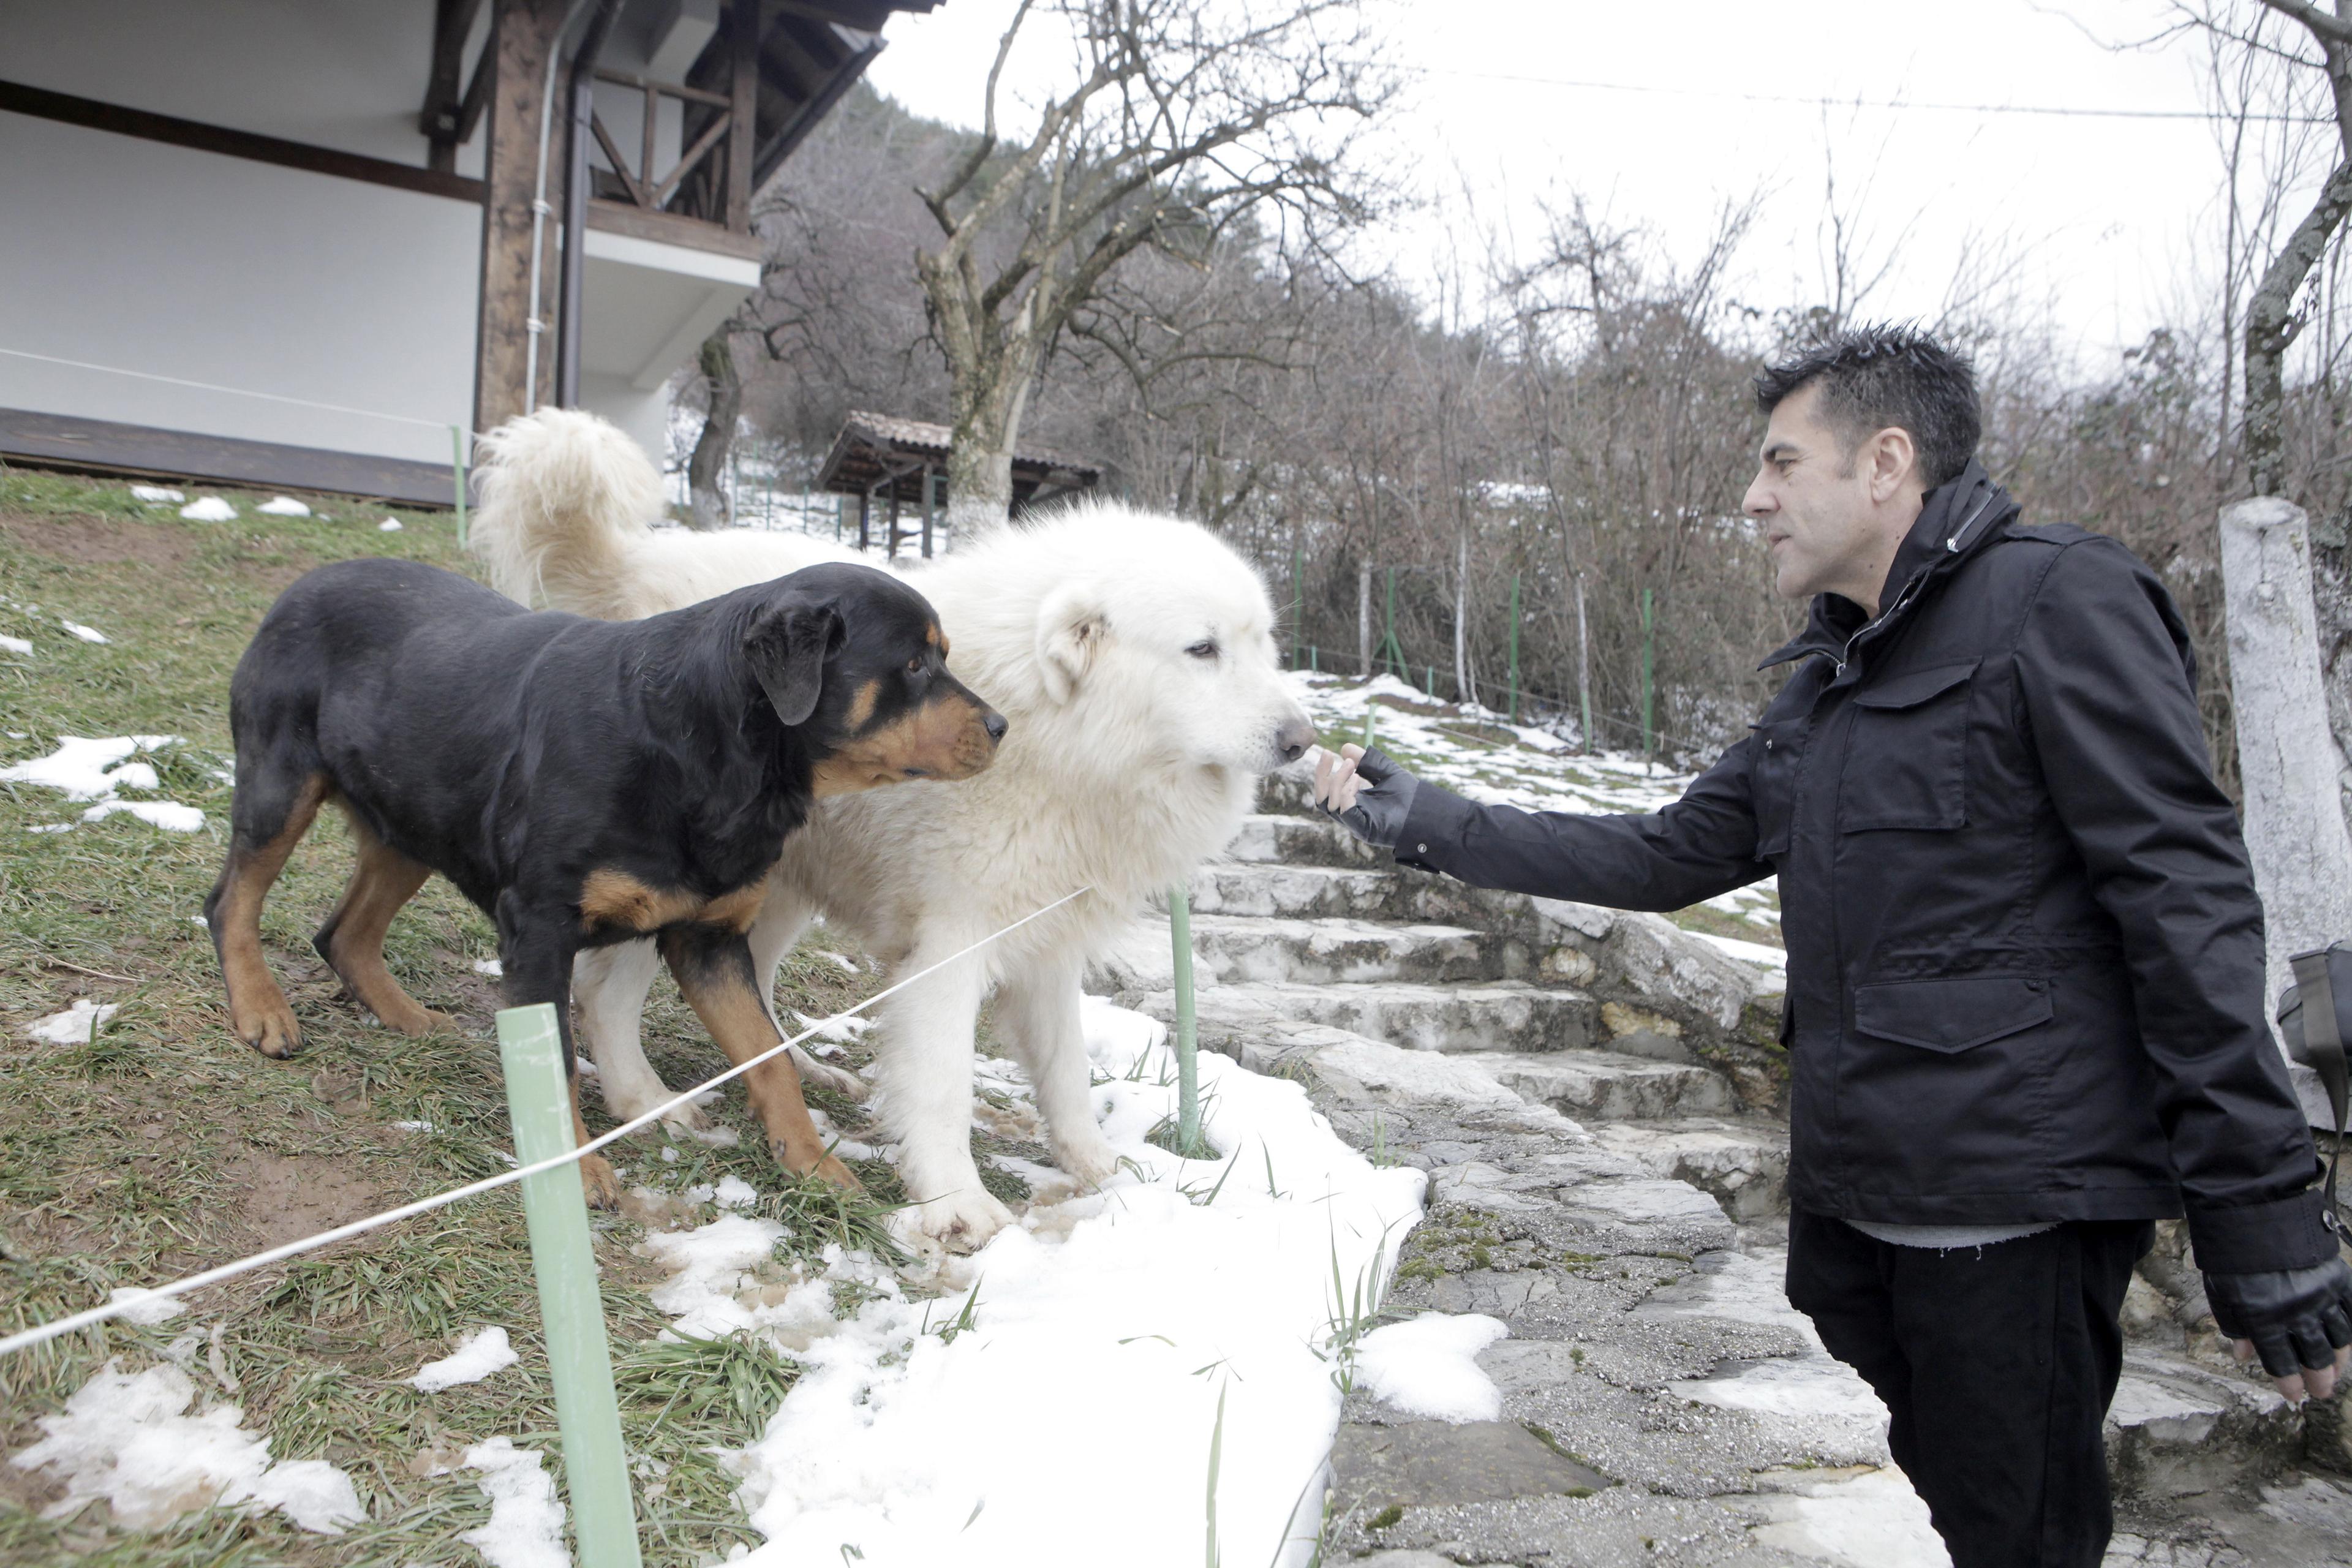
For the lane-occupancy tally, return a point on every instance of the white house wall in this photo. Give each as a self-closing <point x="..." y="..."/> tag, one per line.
<point x="180" y="263"/>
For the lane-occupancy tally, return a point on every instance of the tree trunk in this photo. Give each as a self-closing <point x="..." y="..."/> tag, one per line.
<point x="723" y="385"/>
<point x="1583" y="669"/>
<point x="985" y="425"/>
<point x="2271" y="326"/>
<point x="1462" y="692"/>
<point x="1364" y="618"/>
<point x="2287" y="761"/>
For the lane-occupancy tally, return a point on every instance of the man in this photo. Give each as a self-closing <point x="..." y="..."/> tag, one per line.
<point x="2024" y="1017"/>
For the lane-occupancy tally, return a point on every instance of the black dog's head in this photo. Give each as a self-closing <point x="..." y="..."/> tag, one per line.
<point x="857" y="658"/>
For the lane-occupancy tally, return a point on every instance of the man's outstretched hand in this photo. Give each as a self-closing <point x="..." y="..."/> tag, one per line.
<point x="1366" y="792"/>
<point x="2299" y="1320"/>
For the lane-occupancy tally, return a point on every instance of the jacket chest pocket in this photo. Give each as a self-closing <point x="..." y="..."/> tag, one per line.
<point x="1776" y="745"/>
<point x="1907" y="753"/>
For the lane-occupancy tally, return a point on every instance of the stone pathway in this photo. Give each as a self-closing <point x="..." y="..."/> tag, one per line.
<point x="1596" y="1097"/>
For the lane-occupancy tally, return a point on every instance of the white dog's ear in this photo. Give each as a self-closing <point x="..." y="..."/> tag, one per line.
<point x="1071" y="630"/>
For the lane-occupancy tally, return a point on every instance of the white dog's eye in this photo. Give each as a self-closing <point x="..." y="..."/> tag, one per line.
<point x="1205" y="648"/>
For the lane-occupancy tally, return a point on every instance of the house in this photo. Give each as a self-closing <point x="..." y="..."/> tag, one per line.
<point x="285" y="243"/>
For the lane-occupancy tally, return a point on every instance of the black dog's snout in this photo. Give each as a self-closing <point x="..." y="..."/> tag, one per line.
<point x="995" y="725"/>
<point x="1293" y="739"/>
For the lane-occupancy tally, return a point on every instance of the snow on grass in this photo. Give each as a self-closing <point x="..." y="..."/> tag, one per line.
<point x="156" y="494"/>
<point x="494" y="968"/>
<point x="94" y="768"/>
<point x="124" y="1437"/>
<point x="1428" y="1366"/>
<point x="76" y="1025"/>
<point x="86" y="634"/>
<point x="484" y="1351"/>
<point x="208" y="509"/>
<point x="526" y="1523"/>
<point x="1189" y="1305"/>
<point x="1747" y="951"/>
<point x="15" y="645"/>
<point x="389" y="525"/>
<point x="283" y="506"/>
<point x="148" y="1309"/>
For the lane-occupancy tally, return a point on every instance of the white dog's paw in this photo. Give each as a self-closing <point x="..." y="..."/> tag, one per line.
<point x="836" y="1081"/>
<point x="1086" y="1158"/>
<point x="963" y="1221"/>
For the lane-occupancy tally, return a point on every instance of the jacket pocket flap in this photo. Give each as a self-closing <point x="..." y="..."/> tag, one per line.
<point x="1952" y="1014"/>
<point x="1908" y="690"/>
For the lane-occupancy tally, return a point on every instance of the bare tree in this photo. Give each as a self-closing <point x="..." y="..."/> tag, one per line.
<point x="723" y="390"/>
<point x="1185" y="118"/>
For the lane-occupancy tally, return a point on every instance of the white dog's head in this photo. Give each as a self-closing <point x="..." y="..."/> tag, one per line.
<point x="1154" y="640"/>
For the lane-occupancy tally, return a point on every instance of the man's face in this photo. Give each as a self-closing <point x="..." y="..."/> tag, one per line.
<point x="1814" y="503"/>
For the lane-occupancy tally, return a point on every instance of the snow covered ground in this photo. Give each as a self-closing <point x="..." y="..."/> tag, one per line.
<point x="95" y="770"/>
<point x="1126" y="1376"/>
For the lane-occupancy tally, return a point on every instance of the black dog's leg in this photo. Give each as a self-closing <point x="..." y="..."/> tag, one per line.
<point x="274" y="803"/>
<point x="536" y="948"/>
<point x="352" y="941"/>
<point x="713" y="966"/>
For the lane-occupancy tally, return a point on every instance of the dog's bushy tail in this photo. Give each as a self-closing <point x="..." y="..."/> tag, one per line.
<point x="563" y="497"/>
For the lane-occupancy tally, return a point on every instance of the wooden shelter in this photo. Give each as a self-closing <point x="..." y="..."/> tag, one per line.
<point x="903" y="463"/>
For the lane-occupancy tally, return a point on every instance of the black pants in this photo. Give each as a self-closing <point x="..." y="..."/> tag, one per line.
<point x="1997" y="1363"/>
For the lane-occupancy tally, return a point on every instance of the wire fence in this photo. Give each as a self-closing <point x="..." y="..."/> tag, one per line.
<point x="43" y="1332"/>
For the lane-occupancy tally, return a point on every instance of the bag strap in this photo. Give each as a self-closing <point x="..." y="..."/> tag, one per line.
<point x="2322" y="1044"/>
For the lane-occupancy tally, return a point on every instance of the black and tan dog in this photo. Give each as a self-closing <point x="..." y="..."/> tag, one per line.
<point x="584" y="782"/>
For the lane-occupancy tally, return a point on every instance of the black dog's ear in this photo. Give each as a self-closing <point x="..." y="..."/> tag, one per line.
<point x="787" y="647"/>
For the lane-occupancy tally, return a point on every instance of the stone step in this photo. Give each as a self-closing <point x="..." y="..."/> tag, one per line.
<point x="1743" y="1161"/>
<point x="1301" y="892"/>
<point x="1596" y="1086"/>
<point x="1271" y="837"/>
<point x="2179" y="1428"/>
<point x="1498" y="1016"/>
<point x="1242" y="949"/>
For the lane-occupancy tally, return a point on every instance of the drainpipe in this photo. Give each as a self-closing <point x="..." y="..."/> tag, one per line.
<point x="534" y="326"/>
<point x="576" y="204"/>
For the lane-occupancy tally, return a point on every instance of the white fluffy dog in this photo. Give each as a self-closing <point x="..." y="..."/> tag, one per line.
<point x="1134" y="656"/>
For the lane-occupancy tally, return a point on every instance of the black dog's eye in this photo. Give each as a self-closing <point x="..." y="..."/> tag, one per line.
<point x="1205" y="648"/>
<point x="915" y="665"/>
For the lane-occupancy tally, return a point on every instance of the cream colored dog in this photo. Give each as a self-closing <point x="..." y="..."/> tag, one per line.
<point x="1133" y="654"/>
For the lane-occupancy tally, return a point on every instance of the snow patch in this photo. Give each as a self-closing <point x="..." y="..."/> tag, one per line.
<point x="492" y="967"/>
<point x="156" y="494"/>
<point x="15" y="645"/>
<point x="526" y="1525"/>
<point x="76" y="1026"/>
<point x="283" y="506"/>
<point x="208" y="509"/>
<point x="168" y="814"/>
<point x="86" y="634"/>
<point x="389" y="525"/>
<point x="123" y="1437"/>
<point x="1428" y="1366"/>
<point x="1136" y="1310"/>
<point x="149" y="1309"/>
<point x="484" y="1351"/>
<point x="88" y="769"/>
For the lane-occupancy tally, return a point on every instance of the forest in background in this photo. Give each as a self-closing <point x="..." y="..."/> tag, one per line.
<point x="1574" y="419"/>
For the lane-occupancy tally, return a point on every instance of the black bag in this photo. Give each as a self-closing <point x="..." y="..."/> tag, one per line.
<point x="2315" y="1034"/>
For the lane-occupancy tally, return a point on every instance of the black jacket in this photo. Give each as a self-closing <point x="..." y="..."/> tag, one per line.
<point x="2025" y="953"/>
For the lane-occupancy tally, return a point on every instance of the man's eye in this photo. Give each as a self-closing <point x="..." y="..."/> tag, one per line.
<point x="1205" y="648"/>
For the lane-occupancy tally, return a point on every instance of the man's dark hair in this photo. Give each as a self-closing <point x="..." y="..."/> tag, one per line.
<point x="1873" y="377"/>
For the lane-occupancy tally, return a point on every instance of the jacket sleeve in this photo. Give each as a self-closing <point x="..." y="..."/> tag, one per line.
<point x="2108" y="681"/>
<point x="1702" y="845"/>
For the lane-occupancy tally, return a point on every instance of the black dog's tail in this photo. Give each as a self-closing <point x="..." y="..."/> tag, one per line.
<point x="564" y="496"/>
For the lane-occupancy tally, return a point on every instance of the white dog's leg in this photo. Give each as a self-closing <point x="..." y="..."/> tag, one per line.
<point x="1037" y="1014"/>
<point x="924" y="1074"/>
<point x="609" y="984"/>
<point x="782" y="920"/>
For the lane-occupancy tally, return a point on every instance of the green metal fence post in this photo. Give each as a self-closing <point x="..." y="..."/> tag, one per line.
<point x="458" y="467"/>
<point x="1514" y="648"/>
<point x="1394" y="651"/>
<point x="1190" y="1144"/>
<point x="571" y="1313"/>
<point x="1649" y="715"/>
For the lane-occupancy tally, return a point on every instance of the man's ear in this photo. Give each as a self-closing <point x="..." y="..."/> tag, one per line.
<point x="1071" y="631"/>
<point x="787" y="646"/>
<point x="1893" y="458"/>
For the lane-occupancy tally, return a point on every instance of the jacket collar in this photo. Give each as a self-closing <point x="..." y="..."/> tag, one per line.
<point x="1955" y="520"/>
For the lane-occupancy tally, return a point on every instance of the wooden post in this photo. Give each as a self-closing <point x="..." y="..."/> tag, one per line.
<point x="931" y="505"/>
<point x="892" y="554"/>
<point x="524" y="37"/>
<point x="743" y="33"/>
<point x="2287" y="760"/>
<point x="865" y="519"/>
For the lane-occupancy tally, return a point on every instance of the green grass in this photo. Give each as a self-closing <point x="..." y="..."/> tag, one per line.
<point x="165" y="1145"/>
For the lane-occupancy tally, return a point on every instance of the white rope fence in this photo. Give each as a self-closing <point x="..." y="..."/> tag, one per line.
<point x="43" y="1332"/>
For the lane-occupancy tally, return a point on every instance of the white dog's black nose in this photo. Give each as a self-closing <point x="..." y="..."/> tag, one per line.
<point x="1293" y="739"/>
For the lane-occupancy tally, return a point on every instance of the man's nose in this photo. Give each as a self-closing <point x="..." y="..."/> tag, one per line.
<point x="1758" y="500"/>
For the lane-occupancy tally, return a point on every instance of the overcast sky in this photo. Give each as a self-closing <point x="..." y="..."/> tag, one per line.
<point x="2109" y="216"/>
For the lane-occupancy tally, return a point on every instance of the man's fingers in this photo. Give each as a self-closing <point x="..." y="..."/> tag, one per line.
<point x="2319" y="1380"/>
<point x="1344" y="783"/>
<point x="1325" y="765"/>
<point x="2243" y="1350"/>
<point x="1351" y="750"/>
<point x="2292" y="1390"/>
<point x="2278" y="1354"/>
